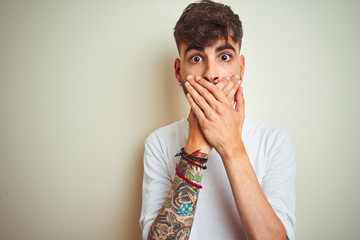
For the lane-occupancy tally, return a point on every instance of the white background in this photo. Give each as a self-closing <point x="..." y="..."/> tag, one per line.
<point x="83" y="83"/>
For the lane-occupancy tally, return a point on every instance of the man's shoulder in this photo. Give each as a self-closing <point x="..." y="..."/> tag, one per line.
<point x="255" y="129"/>
<point x="268" y="145"/>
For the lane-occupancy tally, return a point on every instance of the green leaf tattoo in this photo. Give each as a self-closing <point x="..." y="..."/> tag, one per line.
<point x="168" y="203"/>
<point x="189" y="176"/>
<point x="176" y="181"/>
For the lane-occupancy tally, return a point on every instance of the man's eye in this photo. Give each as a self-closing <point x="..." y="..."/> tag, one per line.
<point x="225" y="57"/>
<point x="196" y="59"/>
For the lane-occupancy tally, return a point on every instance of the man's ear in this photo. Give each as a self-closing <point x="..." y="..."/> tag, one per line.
<point x="177" y="69"/>
<point x="242" y="66"/>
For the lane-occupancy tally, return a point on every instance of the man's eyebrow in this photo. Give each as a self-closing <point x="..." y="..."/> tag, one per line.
<point x="201" y="49"/>
<point x="225" y="47"/>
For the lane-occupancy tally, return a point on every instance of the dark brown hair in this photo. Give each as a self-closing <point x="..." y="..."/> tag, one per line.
<point x="204" y="22"/>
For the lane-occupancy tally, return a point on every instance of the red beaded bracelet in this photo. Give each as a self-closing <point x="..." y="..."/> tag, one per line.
<point x="186" y="179"/>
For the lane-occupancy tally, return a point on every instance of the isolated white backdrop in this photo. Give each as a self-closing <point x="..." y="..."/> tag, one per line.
<point x="82" y="84"/>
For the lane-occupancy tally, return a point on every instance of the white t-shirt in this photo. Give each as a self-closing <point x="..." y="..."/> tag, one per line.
<point x="271" y="154"/>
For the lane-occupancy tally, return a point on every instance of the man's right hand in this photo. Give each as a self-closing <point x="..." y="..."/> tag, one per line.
<point x="196" y="140"/>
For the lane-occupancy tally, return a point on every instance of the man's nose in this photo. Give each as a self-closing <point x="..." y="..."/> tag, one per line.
<point x="211" y="72"/>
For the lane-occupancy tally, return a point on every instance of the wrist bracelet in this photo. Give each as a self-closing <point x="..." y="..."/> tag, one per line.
<point x="183" y="156"/>
<point x="194" y="156"/>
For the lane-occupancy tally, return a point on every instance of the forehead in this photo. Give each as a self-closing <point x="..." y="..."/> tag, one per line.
<point x="212" y="48"/>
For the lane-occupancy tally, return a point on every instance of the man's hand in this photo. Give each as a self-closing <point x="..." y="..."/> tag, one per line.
<point x="220" y="123"/>
<point x="196" y="139"/>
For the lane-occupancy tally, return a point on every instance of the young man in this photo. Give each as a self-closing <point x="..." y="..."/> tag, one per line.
<point x="246" y="169"/>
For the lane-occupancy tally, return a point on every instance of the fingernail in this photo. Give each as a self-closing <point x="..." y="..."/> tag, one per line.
<point x="228" y="78"/>
<point x="237" y="76"/>
<point x="197" y="78"/>
<point x="239" y="82"/>
<point x="187" y="84"/>
<point x="189" y="77"/>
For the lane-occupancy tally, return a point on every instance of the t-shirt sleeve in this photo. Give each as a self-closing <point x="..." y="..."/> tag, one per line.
<point x="278" y="183"/>
<point x="156" y="182"/>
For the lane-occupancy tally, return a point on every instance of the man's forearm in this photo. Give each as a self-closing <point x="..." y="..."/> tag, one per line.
<point x="258" y="218"/>
<point x="176" y="216"/>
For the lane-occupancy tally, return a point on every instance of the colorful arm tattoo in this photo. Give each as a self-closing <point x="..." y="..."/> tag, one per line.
<point x="176" y="216"/>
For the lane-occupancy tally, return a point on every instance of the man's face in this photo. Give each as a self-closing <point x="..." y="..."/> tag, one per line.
<point x="215" y="62"/>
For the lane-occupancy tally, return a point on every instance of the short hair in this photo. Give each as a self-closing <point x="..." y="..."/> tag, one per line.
<point x="204" y="22"/>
